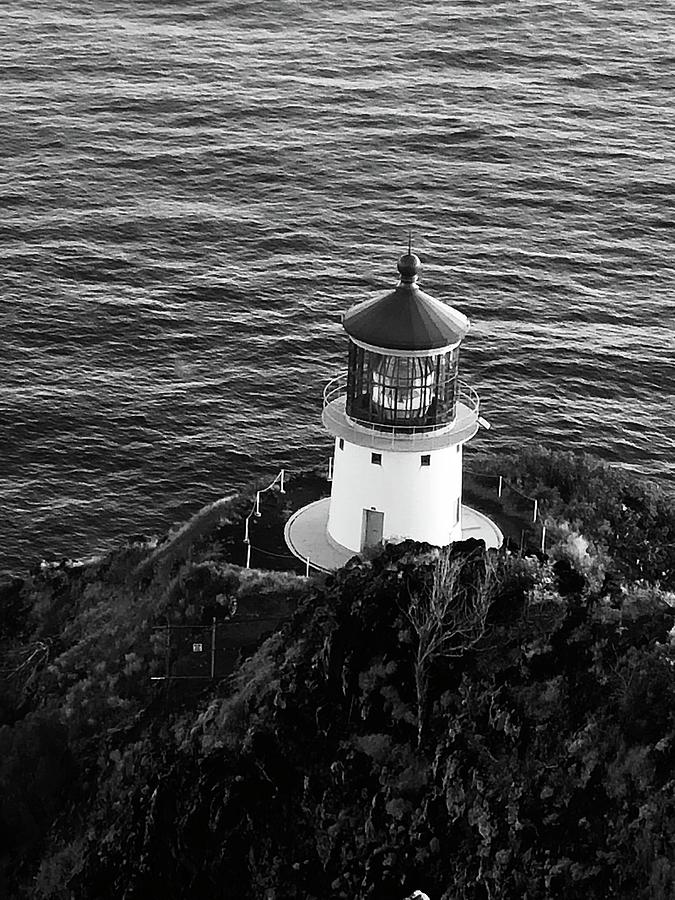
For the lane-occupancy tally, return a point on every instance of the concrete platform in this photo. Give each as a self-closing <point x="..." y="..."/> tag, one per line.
<point x="477" y="525"/>
<point x="307" y="536"/>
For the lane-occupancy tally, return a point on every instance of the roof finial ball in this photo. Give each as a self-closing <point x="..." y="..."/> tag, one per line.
<point x="409" y="264"/>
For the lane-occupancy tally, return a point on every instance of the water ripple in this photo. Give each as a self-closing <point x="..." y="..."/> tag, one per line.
<point x="192" y="193"/>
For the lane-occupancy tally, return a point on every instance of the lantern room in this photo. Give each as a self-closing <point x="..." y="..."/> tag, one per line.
<point x="386" y="390"/>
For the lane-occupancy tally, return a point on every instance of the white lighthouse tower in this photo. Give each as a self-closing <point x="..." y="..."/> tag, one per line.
<point x="400" y="418"/>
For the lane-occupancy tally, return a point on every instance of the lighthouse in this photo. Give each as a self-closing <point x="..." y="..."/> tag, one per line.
<point x="399" y="416"/>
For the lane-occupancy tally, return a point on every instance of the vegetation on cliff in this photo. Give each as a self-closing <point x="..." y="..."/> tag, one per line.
<point x="473" y="725"/>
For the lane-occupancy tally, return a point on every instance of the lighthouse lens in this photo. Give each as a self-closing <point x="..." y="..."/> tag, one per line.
<point x="402" y="387"/>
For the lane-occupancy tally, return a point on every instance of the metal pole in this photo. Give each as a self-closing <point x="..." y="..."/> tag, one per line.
<point x="213" y="648"/>
<point x="330" y="468"/>
<point x="281" y="483"/>
<point x="248" y="556"/>
<point x="501" y="484"/>
<point x="167" y="650"/>
<point x="246" y="539"/>
<point x="535" y="511"/>
<point x="307" y="567"/>
<point x="543" y="538"/>
<point x="257" y="505"/>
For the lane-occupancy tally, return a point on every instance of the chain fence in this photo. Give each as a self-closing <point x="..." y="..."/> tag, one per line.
<point x="306" y="565"/>
<point x="206" y="652"/>
<point x="517" y="514"/>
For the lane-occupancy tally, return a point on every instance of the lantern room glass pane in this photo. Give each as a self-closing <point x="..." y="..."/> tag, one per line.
<point x="401" y="391"/>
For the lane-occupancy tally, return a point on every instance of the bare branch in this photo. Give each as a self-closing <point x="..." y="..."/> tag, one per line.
<point x="18" y="664"/>
<point x="448" y="615"/>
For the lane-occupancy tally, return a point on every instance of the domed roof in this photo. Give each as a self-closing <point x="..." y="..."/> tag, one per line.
<point x="406" y="318"/>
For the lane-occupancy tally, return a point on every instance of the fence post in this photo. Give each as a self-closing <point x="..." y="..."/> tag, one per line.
<point x="167" y="651"/>
<point x="213" y="648"/>
<point x="535" y="510"/>
<point x="501" y="484"/>
<point x="281" y="482"/>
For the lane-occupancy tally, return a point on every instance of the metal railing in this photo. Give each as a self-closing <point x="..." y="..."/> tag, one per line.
<point x="279" y="479"/>
<point x="514" y="503"/>
<point x="256" y="512"/>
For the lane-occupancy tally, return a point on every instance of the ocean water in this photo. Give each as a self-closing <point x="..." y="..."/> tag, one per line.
<point x="192" y="192"/>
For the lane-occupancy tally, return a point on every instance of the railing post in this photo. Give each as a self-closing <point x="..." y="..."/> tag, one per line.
<point x="167" y="651"/>
<point x="501" y="485"/>
<point x="213" y="648"/>
<point x="535" y="510"/>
